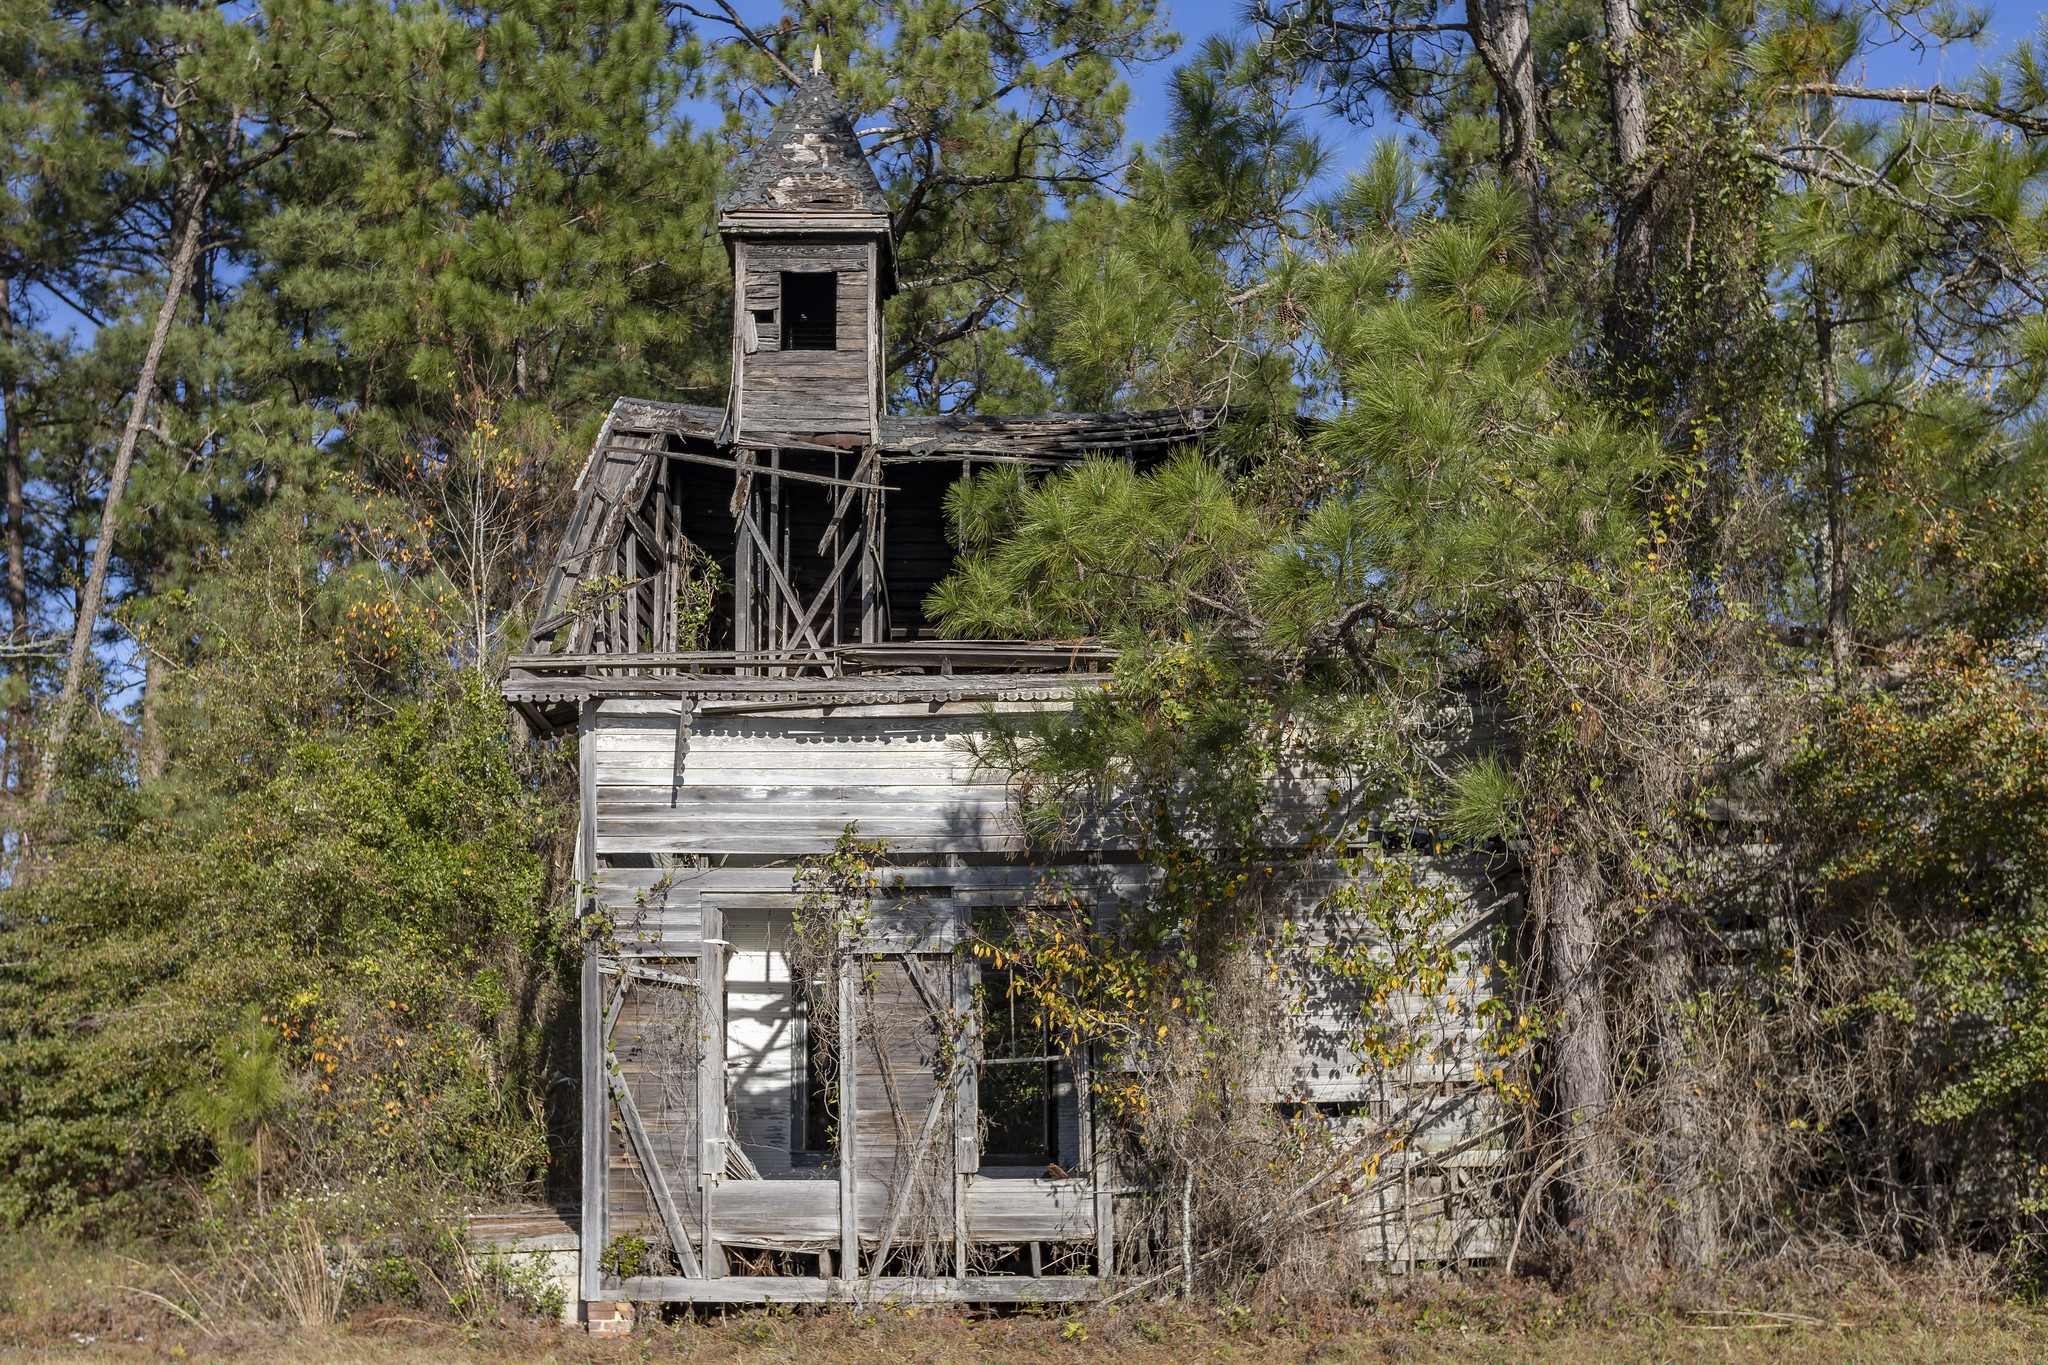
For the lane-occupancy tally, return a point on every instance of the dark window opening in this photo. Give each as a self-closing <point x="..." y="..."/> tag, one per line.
<point x="1018" y="1075"/>
<point x="764" y="317"/>
<point x="817" y="1118"/>
<point x="810" y="311"/>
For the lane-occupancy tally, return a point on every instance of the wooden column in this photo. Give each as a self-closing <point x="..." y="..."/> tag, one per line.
<point x="665" y="575"/>
<point x="597" y="1133"/>
<point x="874" y="613"/>
<point x="849" y="1125"/>
<point x="743" y="636"/>
<point x="630" y="552"/>
<point x="711" y="1079"/>
<point x="777" y="627"/>
<point x="1101" y="1168"/>
<point x="1101" y="1173"/>
<point x="966" y="1115"/>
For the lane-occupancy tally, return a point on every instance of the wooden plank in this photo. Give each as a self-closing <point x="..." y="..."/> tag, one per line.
<point x="815" y="838"/>
<point x="992" y="1289"/>
<point x="711" y="1082"/>
<point x="842" y="256"/>
<point x="820" y="838"/>
<point x="1001" y="1209"/>
<point x="781" y="222"/>
<point x="840" y="691"/>
<point x="848" y="1127"/>
<point x="596" y="1130"/>
<point x="887" y="821"/>
<point x="964" y="813"/>
<point x="620" y="884"/>
<point x="691" y="457"/>
<point x="705" y="801"/>
<point x="791" y="1214"/>
<point x="632" y="969"/>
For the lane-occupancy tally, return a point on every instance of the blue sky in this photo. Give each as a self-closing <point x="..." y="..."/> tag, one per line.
<point x="1194" y="20"/>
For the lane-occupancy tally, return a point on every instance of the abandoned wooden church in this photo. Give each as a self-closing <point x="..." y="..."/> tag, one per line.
<point x="733" y="625"/>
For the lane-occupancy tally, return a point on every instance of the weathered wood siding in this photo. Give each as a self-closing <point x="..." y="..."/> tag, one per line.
<point x="806" y="392"/>
<point x="703" y="808"/>
<point x="788" y="785"/>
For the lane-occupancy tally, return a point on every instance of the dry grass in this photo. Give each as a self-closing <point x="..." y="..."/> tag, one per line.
<point x="69" y="1302"/>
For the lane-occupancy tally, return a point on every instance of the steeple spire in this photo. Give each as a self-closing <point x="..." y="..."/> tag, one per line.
<point x="811" y="161"/>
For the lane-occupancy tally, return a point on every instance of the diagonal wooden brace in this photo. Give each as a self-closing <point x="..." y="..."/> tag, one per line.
<point x="650" y="1170"/>
<point x="796" y="604"/>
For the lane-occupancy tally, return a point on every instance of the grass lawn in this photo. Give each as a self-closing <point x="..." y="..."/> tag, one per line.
<point x="68" y="1303"/>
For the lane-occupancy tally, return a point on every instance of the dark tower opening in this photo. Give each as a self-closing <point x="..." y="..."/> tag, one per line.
<point x="810" y="311"/>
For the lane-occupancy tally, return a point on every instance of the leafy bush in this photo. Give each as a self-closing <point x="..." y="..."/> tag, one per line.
<point x="346" y="871"/>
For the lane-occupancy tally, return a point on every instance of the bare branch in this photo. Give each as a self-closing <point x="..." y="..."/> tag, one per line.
<point x="1934" y="95"/>
<point x="731" y="16"/>
<point x="1858" y="179"/>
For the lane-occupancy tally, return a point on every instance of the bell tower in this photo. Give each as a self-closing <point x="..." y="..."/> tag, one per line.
<point x="813" y="259"/>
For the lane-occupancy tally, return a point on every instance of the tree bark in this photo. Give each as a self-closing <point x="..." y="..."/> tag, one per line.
<point x="1500" y="34"/>
<point x="1585" y="1049"/>
<point x="1688" y="1198"/>
<point x="10" y="455"/>
<point x="14" y="774"/>
<point x="1840" y="641"/>
<point x="1629" y="308"/>
<point x="183" y="255"/>
<point x="153" y="759"/>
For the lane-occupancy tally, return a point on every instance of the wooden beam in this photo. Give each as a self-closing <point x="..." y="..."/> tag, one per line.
<point x="966" y="1113"/>
<point x="845" y="503"/>
<point x="596" y="1128"/>
<point x="596" y="1132"/>
<point x="743" y="637"/>
<point x="711" y="1079"/>
<point x="691" y="457"/>
<point x="849" y="1125"/>
<point x="651" y="1172"/>
<point x="874" y="607"/>
<point x="757" y="1289"/>
<point x="552" y="624"/>
<point x="782" y="584"/>
<point x="646" y="534"/>
<point x="681" y="948"/>
<point x="899" y="654"/>
<point x="901" y="1202"/>
<point x="831" y="583"/>
<point x="1100" y="1173"/>
<point x="611" y="1015"/>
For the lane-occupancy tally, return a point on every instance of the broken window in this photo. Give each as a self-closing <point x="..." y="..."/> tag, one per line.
<point x="810" y="311"/>
<point x="1017" y="1077"/>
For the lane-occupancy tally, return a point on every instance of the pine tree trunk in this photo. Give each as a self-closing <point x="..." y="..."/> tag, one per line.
<point x="1686" y="1123"/>
<point x="1584" y="1054"/>
<point x="1840" y="641"/>
<point x="10" y="455"/>
<point x="152" y="758"/>
<point x="187" y="251"/>
<point x="1500" y="33"/>
<point x="1629" y="309"/>
<point x="16" y="527"/>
